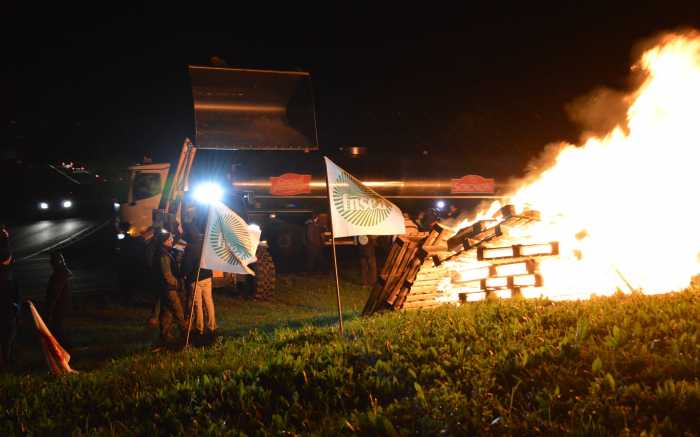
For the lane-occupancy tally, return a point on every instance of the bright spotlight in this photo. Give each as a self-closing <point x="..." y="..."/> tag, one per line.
<point x="208" y="192"/>
<point x="67" y="204"/>
<point x="43" y="205"/>
<point x="440" y="204"/>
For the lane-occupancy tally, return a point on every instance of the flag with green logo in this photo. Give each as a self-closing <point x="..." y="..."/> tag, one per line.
<point x="357" y="210"/>
<point x="229" y="242"/>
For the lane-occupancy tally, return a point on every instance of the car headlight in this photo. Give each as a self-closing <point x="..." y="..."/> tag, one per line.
<point x="121" y="236"/>
<point x="67" y="204"/>
<point x="43" y="205"/>
<point x="116" y="206"/>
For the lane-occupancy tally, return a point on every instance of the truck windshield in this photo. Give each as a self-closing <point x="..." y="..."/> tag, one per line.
<point x="146" y="185"/>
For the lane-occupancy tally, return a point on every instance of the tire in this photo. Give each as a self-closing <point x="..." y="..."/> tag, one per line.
<point x="265" y="274"/>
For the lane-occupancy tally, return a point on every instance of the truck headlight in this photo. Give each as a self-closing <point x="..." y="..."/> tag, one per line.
<point x="67" y="204"/>
<point x="43" y="205"/>
<point x="208" y="193"/>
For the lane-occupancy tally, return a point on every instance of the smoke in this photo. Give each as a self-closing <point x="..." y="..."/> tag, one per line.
<point x="599" y="111"/>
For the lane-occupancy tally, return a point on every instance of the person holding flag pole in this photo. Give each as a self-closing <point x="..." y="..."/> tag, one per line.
<point x="229" y="243"/>
<point x="357" y="210"/>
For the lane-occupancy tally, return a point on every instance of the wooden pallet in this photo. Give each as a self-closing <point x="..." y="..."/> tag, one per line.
<point x="418" y="267"/>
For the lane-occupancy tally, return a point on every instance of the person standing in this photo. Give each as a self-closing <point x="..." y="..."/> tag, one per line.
<point x="128" y="264"/>
<point x="9" y="300"/>
<point x="368" y="259"/>
<point x="428" y="220"/>
<point x="166" y="273"/>
<point x="151" y="278"/>
<point x="202" y="292"/>
<point x="313" y="240"/>
<point x="58" y="298"/>
<point x="453" y="212"/>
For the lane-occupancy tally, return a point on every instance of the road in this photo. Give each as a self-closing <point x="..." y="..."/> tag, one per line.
<point x="78" y="238"/>
<point x="28" y="239"/>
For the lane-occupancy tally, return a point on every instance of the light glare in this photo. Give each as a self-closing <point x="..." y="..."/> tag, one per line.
<point x="208" y="193"/>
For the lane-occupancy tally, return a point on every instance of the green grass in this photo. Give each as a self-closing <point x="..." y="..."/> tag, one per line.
<point x="100" y="331"/>
<point x="622" y="365"/>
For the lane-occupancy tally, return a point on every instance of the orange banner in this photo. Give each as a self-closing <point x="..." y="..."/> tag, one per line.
<point x="56" y="357"/>
<point x="473" y="184"/>
<point x="290" y="184"/>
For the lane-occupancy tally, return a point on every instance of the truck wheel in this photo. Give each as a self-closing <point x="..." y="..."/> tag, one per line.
<point x="265" y="274"/>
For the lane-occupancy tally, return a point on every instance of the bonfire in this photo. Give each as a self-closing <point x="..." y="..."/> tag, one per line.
<point x="614" y="214"/>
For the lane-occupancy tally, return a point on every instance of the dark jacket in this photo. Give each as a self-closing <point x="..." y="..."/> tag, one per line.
<point x="9" y="291"/>
<point x="166" y="271"/>
<point x="314" y="231"/>
<point x="58" y="294"/>
<point x="367" y="250"/>
<point x="190" y="262"/>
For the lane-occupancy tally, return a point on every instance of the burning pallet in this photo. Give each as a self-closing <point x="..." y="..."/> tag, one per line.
<point x="448" y="265"/>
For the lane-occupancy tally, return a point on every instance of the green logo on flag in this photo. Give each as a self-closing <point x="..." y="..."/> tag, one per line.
<point x="358" y="204"/>
<point x="229" y="238"/>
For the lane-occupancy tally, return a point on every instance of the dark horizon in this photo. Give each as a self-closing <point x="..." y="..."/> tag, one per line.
<point x="486" y="88"/>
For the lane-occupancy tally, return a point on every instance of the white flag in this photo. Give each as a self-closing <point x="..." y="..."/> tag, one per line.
<point x="357" y="210"/>
<point x="229" y="242"/>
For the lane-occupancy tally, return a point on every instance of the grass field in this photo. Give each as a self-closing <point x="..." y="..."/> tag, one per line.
<point x="619" y="365"/>
<point x="100" y="331"/>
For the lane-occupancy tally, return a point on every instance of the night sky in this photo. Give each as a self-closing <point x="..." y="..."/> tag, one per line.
<point x="484" y="89"/>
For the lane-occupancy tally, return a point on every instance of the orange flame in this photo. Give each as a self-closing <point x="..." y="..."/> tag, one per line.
<point x="634" y="191"/>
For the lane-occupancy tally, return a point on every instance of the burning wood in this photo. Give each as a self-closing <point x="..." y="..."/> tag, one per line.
<point x="570" y="221"/>
<point x="448" y="265"/>
<point x="517" y="250"/>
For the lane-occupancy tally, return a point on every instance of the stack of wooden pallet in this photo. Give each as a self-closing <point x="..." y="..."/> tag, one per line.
<point x="450" y="265"/>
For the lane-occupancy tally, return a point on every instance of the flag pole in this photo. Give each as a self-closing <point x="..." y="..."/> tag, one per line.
<point x="335" y="258"/>
<point x="196" y="281"/>
<point x="194" y="299"/>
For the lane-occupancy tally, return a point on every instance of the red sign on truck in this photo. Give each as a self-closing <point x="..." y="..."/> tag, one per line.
<point x="290" y="184"/>
<point x="473" y="184"/>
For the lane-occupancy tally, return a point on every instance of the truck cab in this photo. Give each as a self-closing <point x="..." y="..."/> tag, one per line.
<point x="146" y="185"/>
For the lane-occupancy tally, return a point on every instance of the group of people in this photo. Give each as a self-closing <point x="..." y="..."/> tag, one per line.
<point x="369" y="245"/>
<point x="183" y="298"/>
<point x="183" y="291"/>
<point x="56" y="306"/>
<point x="426" y="219"/>
<point x="183" y="287"/>
<point x="314" y="242"/>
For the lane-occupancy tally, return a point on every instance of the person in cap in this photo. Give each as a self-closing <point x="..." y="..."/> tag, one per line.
<point x="167" y="274"/>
